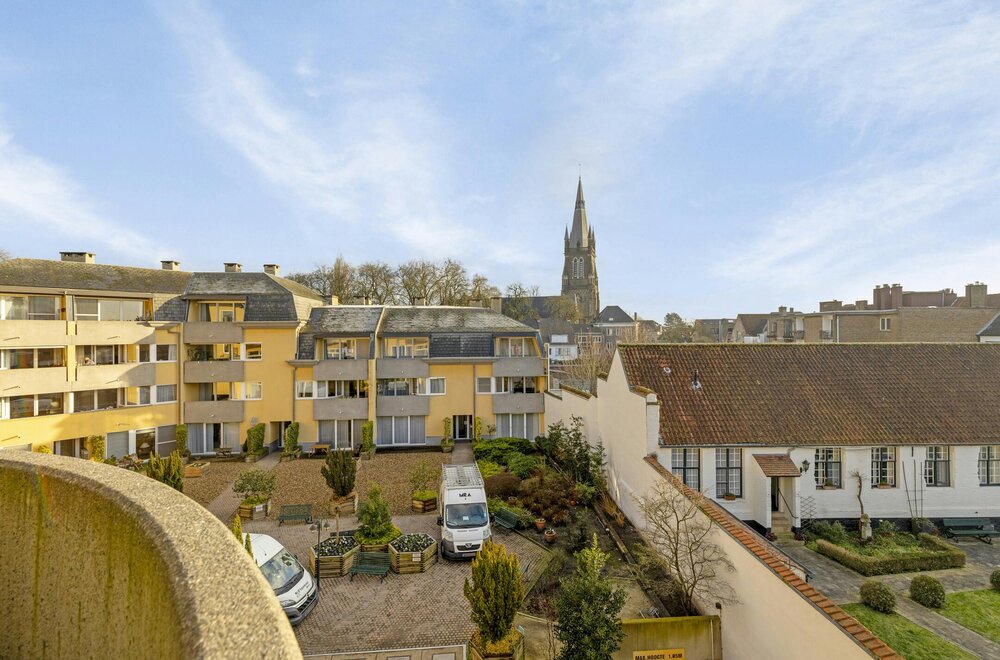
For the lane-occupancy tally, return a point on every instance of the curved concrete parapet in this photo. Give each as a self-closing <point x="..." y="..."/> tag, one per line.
<point x="101" y="562"/>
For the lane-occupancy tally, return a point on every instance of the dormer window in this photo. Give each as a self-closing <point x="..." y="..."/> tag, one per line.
<point x="220" y="312"/>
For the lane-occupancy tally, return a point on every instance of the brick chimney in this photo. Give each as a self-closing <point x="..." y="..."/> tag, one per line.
<point x="896" y="296"/>
<point x="976" y="294"/>
<point x="782" y="309"/>
<point x="496" y="304"/>
<point x="233" y="267"/>
<point x="272" y="269"/>
<point x="78" y="257"/>
<point x="170" y="265"/>
<point x="860" y="304"/>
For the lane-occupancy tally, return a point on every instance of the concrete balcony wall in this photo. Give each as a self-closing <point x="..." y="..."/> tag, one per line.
<point x="341" y="370"/>
<point x="519" y="366"/>
<point x="340" y="408"/>
<point x="103" y="376"/>
<point x="14" y="334"/>
<point x="214" y="371"/>
<point x="138" y="560"/>
<point x="518" y="403"/>
<point x="206" y="332"/>
<point x="213" y="411"/>
<point x="90" y="333"/>
<point x="397" y="406"/>
<point x="18" y="382"/>
<point x="401" y="368"/>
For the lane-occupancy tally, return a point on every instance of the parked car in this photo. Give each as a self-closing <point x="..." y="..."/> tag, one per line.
<point x="292" y="584"/>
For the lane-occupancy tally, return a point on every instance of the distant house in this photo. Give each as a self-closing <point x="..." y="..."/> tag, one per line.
<point x="713" y="330"/>
<point x="991" y="331"/>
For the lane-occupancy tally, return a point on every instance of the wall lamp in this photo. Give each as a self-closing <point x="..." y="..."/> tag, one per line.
<point x="805" y="466"/>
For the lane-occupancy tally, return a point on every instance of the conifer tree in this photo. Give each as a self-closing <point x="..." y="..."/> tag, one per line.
<point x="588" y="609"/>
<point x="249" y="548"/>
<point x="495" y="592"/>
<point x="238" y="527"/>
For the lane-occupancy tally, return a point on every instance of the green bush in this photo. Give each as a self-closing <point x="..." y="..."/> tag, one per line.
<point x="169" y="470"/>
<point x="933" y="554"/>
<point x="423" y="477"/>
<point x="488" y="468"/>
<point x="548" y="495"/>
<point x="822" y="529"/>
<point x="885" y="528"/>
<point x="498" y="450"/>
<point x="368" y="437"/>
<point x="928" y="591"/>
<point x="521" y="465"/>
<point x="340" y="471"/>
<point x="181" y="438"/>
<point x="995" y="579"/>
<point x="255" y="440"/>
<point x="255" y="485"/>
<point x="585" y="492"/>
<point x="494" y="592"/>
<point x="878" y="596"/>
<point x="96" y="448"/>
<point x="503" y="485"/>
<point x="291" y="446"/>
<point x="424" y="495"/>
<point x="374" y="519"/>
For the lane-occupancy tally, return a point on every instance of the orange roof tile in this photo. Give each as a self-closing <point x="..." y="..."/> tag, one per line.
<point x="777" y="465"/>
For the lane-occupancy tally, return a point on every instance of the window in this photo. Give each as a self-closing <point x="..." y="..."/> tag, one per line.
<point x="220" y="312"/>
<point x="515" y="385"/>
<point x="729" y="472"/>
<point x="166" y="353"/>
<point x="337" y="434"/>
<point x="111" y="354"/>
<point x="51" y="357"/>
<point x="885" y="323"/>
<point x="399" y="386"/>
<point x="304" y="389"/>
<point x="435" y="386"/>
<point x="827" y="467"/>
<point x="145" y="442"/>
<point x="515" y="347"/>
<point x="166" y="393"/>
<point x="406" y="347"/>
<point x="253" y="390"/>
<point x="50" y="404"/>
<point x="21" y="358"/>
<point x="107" y="399"/>
<point x="484" y="385"/>
<point x="341" y="349"/>
<point x="685" y="463"/>
<point x="30" y="358"/>
<point x="937" y="467"/>
<point x="253" y="352"/>
<point x="109" y="309"/>
<point x="517" y="425"/>
<point x="989" y="465"/>
<point x="884" y="466"/>
<point x="350" y="389"/>
<point x="137" y="396"/>
<point x="21" y="406"/>
<point x="400" y="431"/>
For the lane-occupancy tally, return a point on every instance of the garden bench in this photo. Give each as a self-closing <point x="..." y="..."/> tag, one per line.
<point x="320" y="446"/>
<point x="370" y="563"/>
<point x="303" y="512"/>
<point x="506" y="518"/>
<point x="978" y="528"/>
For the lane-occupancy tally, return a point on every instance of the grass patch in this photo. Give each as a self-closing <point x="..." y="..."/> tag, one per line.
<point x="911" y="641"/>
<point x="976" y="610"/>
<point x="895" y="553"/>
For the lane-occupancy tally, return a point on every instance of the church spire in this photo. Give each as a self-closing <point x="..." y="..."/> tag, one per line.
<point x="580" y="235"/>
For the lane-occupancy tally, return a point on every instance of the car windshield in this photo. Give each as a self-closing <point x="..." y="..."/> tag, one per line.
<point x="282" y="571"/>
<point x="461" y="516"/>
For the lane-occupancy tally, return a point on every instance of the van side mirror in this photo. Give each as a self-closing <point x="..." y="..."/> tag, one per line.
<point x="440" y="520"/>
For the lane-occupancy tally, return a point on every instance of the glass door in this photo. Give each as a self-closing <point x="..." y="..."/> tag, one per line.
<point x="462" y="427"/>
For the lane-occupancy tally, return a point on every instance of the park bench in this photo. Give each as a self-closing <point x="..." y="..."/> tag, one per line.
<point x="319" y="446"/>
<point x="506" y="518"/>
<point x="977" y="528"/>
<point x="370" y="563"/>
<point x="303" y="512"/>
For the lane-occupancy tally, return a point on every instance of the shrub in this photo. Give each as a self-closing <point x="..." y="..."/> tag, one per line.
<point x="247" y="545"/>
<point x="339" y="471"/>
<point x="886" y="528"/>
<point x="928" y="591"/>
<point x="424" y="495"/>
<point x="503" y="485"/>
<point x="374" y="519"/>
<point x="588" y="607"/>
<point x="821" y="529"/>
<point x="446" y="425"/>
<point x="498" y="450"/>
<point x="548" y="496"/>
<point x="255" y="485"/>
<point x="291" y="447"/>
<point x="934" y="554"/>
<point x="878" y="596"/>
<point x="181" y="438"/>
<point x="552" y="575"/>
<point x="477" y="428"/>
<point x="568" y="446"/>
<point x="995" y="579"/>
<point x="237" y="527"/>
<point x="525" y="517"/>
<point x="585" y="493"/>
<point x="169" y="470"/>
<point x="423" y="477"/>
<point x="255" y="440"/>
<point x="488" y="468"/>
<point x="96" y="448"/>
<point x="368" y="437"/>
<point x="521" y="465"/>
<point x="495" y="591"/>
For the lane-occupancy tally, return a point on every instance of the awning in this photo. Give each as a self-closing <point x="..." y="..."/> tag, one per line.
<point x="777" y="465"/>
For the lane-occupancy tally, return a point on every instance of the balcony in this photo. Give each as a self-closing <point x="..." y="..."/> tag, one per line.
<point x="17" y="382"/>
<point x="341" y="408"/>
<point x="518" y="403"/>
<point x="214" y="371"/>
<point x="14" y="334"/>
<point x="519" y="366"/>
<point x="341" y="370"/>
<point x="102" y="376"/>
<point x="397" y="406"/>
<point x="401" y="368"/>
<point x="89" y="333"/>
<point x="207" y="332"/>
<point x="213" y="411"/>
<point x="127" y="546"/>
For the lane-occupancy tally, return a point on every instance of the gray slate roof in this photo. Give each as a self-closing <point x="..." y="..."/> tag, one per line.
<point x="991" y="329"/>
<point x="613" y="314"/>
<point x="49" y="274"/>
<point x="238" y="284"/>
<point x="428" y="320"/>
<point x="343" y="320"/>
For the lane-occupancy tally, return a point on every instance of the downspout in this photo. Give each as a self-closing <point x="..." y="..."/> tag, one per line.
<point x="838" y="329"/>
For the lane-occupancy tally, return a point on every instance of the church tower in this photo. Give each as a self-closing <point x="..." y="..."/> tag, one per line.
<point x="579" y="278"/>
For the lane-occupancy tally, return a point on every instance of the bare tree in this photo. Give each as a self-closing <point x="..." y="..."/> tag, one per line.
<point x="681" y="534"/>
<point x="453" y="283"/>
<point x="341" y="279"/>
<point x="4" y="255"/>
<point x="377" y="280"/>
<point x="518" y="304"/>
<point x="418" y="281"/>
<point x="591" y="361"/>
<point x="565" y="308"/>
<point x="480" y="291"/>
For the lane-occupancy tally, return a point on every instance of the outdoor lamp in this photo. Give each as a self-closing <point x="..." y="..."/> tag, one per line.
<point x="805" y="466"/>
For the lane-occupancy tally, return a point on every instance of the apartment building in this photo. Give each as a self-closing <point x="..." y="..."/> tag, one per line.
<point x="713" y="330"/>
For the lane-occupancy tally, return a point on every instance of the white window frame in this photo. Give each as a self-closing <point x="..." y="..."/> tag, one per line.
<point x="347" y="346"/>
<point x="883" y="466"/>
<point x="885" y="323"/>
<point x="429" y="388"/>
<point x="489" y="385"/>
<point x="156" y="394"/>
<point x="931" y="464"/>
<point x="305" y="389"/>
<point x="989" y="458"/>
<point x="406" y="347"/>
<point x="828" y="456"/>
<point x="245" y="390"/>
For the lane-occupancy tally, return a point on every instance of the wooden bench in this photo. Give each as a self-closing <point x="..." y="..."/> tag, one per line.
<point x="303" y="512"/>
<point x="370" y="563"/>
<point x="506" y="518"/>
<point x="319" y="446"/>
<point x="977" y="528"/>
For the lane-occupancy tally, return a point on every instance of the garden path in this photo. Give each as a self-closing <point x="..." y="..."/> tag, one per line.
<point x="462" y="453"/>
<point x="224" y="506"/>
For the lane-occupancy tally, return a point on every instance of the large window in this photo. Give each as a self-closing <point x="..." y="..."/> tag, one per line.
<point x="515" y="347"/>
<point x="30" y="358"/>
<point x="517" y="425"/>
<point x="828" y="467"/>
<point x="400" y="431"/>
<point x="729" y="472"/>
<point x="347" y="389"/>
<point x="406" y="347"/>
<point x="34" y="308"/>
<point x="937" y="467"/>
<point x="340" y="349"/>
<point x="17" y="407"/>
<point x="223" y="352"/>
<point x="399" y="386"/>
<point x="166" y="393"/>
<point x="145" y="442"/>
<point x="989" y="465"/>
<point x="884" y="466"/>
<point x="515" y="385"/>
<point x="686" y="464"/>
<point x="220" y="312"/>
<point x="337" y="433"/>
<point x="105" y="354"/>
<point x="110" y="309"/>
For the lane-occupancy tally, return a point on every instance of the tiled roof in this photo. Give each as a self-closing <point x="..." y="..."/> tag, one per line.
<point x="344" y="320"/>
<point x="613" y="314"/>
<point x="428" y="320"/>
<point x="779" y="565"/>
<point x="991" y="329"/>
<point x="236" y="284"/>
<point x="821" y="394"/>
<point x="48" y="274"/>
<point x="777" y="465"/>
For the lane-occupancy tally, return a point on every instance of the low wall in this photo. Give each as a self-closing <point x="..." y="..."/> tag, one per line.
<point x="698" y="636"/>
<point x="98" y="561"/>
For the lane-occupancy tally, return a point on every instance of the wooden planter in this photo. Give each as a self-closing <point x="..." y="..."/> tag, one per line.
<point x="379" y="547"/>
<point x="346" y="505"/>
<point x="332" y="566"/>
<point x="424" y="506"/>
<point x="413" y="562"/>
<point x="517" y="652"/>
<point x="255" y="512"/>
<point x="196" y="469"/>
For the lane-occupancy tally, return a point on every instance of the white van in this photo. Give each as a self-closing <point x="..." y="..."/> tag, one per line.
<point x="292" y="584"/>
<point x="462" y="514"/>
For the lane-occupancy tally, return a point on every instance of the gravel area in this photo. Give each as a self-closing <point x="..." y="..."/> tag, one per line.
<point x="216" y="479"/>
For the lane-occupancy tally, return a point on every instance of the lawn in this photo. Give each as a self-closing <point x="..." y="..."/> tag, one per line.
<point x="907" y="638"/>
<point x="976" y="610"/>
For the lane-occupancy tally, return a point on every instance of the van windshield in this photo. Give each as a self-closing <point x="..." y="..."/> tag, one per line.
<point x="462" y="516"/>
<point x="282" y="571"/>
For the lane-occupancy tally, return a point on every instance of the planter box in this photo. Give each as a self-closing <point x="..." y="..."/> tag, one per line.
<point x="196" y="469"/>
<point x="332" y="566"/>
<point x="347" y="505"/>
<point x="413" y="562"/>
<point x="255" y="512"/>
<point x="421" y="506"/>
<point x="380" y="547"/>
<point x="517" y="653"/>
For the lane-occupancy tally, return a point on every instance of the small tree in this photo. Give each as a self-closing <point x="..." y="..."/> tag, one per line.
<point x="248" y="546"/>
<point x="681" y="534"/>
<point x="237" y="527"/>
<point x="169" y="470"/>
<point x="495" y="592"/>
<point x="374" y="519"/>
<point x="340" y="471"/>
<point x="95" y="448"/>
<point x="446" y="425"/>
<point x="368" y="438"/>
<point x="181" y="438"/>
<point x="477" y="428"/>
<point x="255" y="486"/>
<point x="291" y="447"/>
<point x="422" y="477"/>
<point x="588" y="608"/>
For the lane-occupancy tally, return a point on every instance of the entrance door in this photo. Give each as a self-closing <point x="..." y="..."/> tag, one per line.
<point x="462" y="427"/>
<point x="775" y="493"/>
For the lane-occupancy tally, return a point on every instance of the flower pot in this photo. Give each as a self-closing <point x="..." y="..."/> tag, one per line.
<point x="256" y="511"/>
<point x="550" y="536"/>
<point x="196" y="469"/>
<point x="424" y="506"/>
<point x="540" y="524"/>
<point x="514" y="651"/>
<point x="404" y="562"/>
<point x="729" y="497"/>
<point x="332" y="565"/>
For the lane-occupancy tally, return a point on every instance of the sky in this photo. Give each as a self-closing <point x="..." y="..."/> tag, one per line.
<point x="736" y="155"/>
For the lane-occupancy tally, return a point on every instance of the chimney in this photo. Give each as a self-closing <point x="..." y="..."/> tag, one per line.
<point x="896" y="296"/>
<point x="860" y="304"/>
<point x="78" y="257"/>
<point x="496" y="304"/>
<point x="334" y="300"/>
<point x="272" y="269"/>
<point x="976" y="294"/>
<point x="635" y="316"/>
<point x="233" y="267"/>
<point x="782" y="309"/>
<point x="170" y="265"/>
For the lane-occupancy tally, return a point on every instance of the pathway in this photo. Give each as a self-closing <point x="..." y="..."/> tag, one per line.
<point x="462" y="453"/>
<point x="224" y="506"/>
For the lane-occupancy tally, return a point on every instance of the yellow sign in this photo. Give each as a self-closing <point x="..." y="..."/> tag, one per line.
<point x="665" y="654"/>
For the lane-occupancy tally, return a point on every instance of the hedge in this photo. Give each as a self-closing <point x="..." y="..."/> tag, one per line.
<point x="935" y="554"/>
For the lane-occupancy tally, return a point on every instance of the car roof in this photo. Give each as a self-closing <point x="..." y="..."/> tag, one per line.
<point x="264" y="548"/>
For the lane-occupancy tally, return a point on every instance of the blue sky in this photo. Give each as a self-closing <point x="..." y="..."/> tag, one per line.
<point x="736" y="155"/>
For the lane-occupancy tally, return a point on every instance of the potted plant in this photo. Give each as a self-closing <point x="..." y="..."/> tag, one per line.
<point x="375" y="528"/>
<point x="291" y="449"/>
<point x="540" y="524"/>
<point x="196" y="469"/>
<point x="256" y="487"/>
<point x="729" y="497"/>
<point x="367" y="440"/>
<point x="412" y="553"/>
<point x="333" y="556"/>
<point x="447" y="442"/>
<point x="421" y="480"/>
<point x="447" y="445"/>
<point x="340" y="471"/>
<point x="494" y="592"/>
<point x="255" y="443"/>
<point x="550" y="535"/>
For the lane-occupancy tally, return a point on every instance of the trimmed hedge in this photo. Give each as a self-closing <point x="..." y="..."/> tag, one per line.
<point x="499" y="450"/>
<point x="928" y="591"/>
<point x="935" y="554"/>
<point x="878" y="596"/>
